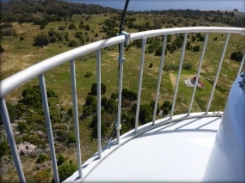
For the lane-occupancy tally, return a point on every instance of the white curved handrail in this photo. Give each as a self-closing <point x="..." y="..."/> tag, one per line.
<point x="10" y="83"/>
<point x="183" y="30"/>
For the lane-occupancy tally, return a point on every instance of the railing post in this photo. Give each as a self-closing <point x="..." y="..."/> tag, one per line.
<point x="120" y="78"/>
<point x="159" y="78"/>
<point x="98" y="56"/>
<point x="198" y="74"/>
<point x="11" y="140"/>
<point x="140" y="83"/>
<point x="75" y="109"/>
<point x="218" y="71"/>
<point x="178" y="77"/>
<point x="49" y="127"/>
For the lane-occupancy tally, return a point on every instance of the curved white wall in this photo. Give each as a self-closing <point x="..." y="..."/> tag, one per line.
<point x="227" y="160"/>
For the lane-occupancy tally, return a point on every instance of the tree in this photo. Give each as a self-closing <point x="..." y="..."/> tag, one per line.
<point x="65" y="170"/>
<point x="87" y="27"/>
<point x="94" y="89"/>
<point x="41" y="158"/>
<point x="61" y="160"/>
<point x="72" y="26"/>
<point x="196" y="48"/>
<point x="41" y="40"/>
<point x="145" y="114"/>
<point x="72" y="43"/>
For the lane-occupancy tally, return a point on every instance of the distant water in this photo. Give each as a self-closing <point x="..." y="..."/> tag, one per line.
<point x="143" y="5"/>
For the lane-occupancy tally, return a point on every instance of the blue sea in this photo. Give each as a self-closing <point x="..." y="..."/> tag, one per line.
<point x="143" y="5"/>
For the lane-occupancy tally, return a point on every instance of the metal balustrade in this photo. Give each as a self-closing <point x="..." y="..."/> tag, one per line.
<point x="39" y="69"/>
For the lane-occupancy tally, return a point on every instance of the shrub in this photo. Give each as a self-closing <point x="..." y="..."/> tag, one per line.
<point x="61" y="27"/>
<point x="71" y="139"/>
<point x="72" y="43"/>
<point x="88" y="74"/>
<point x="42" y="176"/>
<point x="94" y="89"/>
<point x="3" y="149"/>
<point x="22" y="126"/>
<point x="66" y="170"/>
<point x="196" y="48"/>
<point x="72" y="26"/>
<point x="22" y="39"/>
<point x="87" y="27"/>
<point x="237" y="55"/>
<point x="41" y="40"/>
<point x="151" y="64"/>
<point x="61" y="160"/>
<point x="187" y="66"/>
<point x="215" y="39"/>
<point x="1" y="49"/>
<point x="129" y="95"/>
<point x="41" y="158"/>
<point x="42" y="26"/>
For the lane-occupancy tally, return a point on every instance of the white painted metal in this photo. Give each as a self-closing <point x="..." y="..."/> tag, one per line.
<point x="142" y="59"/>
<point x="227" y="160"/>
<point x="75" y="109"/>
<point x="99" y="102"/>
<point x="178" y="77"/>
<point x="11" y="140"/>
<point x="48" y="125"/>
<point x="159" y="32"/>
<point x="91" y="164"/>
<point x="159" y="78"/>
<point x="120" y="79"/>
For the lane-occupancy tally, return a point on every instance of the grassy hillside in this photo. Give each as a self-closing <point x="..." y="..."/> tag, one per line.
<point x="21" y="51"/>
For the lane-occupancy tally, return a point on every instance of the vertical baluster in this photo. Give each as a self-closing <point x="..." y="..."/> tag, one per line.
<point x="198" y="74"/>
<point x="11" y="140"/>
<point x="49" y="127"/>
<point x="140" y="83"/>
<point x="98" y="56"/>
<point x="218" y="72"/>
<point x="241" y="65"/>
<point x="178" y="77"/>
<point x="120" y="78"/>
<point x="75" y="109"/>
<point x="159" y="78"/>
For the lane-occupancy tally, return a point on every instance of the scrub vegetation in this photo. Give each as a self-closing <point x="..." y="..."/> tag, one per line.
<point x="32" y="31"/>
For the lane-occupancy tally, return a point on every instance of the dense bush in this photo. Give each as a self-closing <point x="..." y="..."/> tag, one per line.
<point x="187" y="66"/>
<point x="237" y="55"/>
<point x="61" y="160"/>
<point x="65" y="170"/>
<point x="94" y="89"/>
<point x="41" y="158"/>
<point x="72" y="43"/>
<point x="72" y="26"/>
<point x="4" y="149"/>
<point x="41" y="40"/>
<point x="129" y="95"/>
<point x="196" y="48"/>
<point x="22" y="126"/>
<point x="13" y="111"/>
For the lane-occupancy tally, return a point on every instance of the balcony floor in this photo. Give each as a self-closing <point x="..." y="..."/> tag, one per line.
<point x="175" y="152"/>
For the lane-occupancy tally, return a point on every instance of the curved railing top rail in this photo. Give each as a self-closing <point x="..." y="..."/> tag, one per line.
<point x="10" y="83"/>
